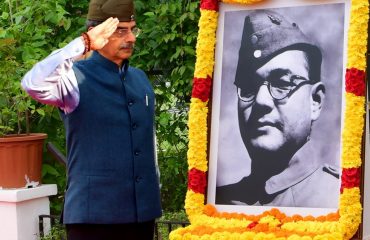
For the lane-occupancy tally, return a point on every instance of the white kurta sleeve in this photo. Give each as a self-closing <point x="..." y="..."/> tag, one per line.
<point x="53" y="81"/>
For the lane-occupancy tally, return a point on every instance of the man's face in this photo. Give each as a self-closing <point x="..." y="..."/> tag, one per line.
<point x="121" y="43"/>
<point x="270" y="125"/>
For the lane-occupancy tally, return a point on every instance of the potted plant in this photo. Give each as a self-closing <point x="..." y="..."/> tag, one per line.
<point x="20" y="151"/>
<point x="28" y="33"/>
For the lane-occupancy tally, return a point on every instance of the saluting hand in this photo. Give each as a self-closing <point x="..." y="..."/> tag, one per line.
<point x="99" y="35"/>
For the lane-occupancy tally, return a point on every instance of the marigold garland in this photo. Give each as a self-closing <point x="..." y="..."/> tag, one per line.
<point x="211" y="211"/>
<point x="197" y="155"/>
<point x="353" y="130"/>
<point x="357" y="37"/>
<point x="206" y="221"/>
<point x="206" y="44"/>
<point x="194" y="204"/>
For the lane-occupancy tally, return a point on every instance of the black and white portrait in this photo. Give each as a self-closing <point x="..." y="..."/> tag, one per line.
<point x="280" y="107"/>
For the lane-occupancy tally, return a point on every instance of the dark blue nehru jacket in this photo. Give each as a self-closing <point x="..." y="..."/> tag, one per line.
<point x="111" y="167"/>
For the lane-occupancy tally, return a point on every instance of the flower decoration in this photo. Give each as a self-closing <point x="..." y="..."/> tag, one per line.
<point x="201" y="88"/>
<point x="350" y="178"/>
<point x="355" y="81"/>
<point x="206" y="221"/>
<point x="197" y="180"/>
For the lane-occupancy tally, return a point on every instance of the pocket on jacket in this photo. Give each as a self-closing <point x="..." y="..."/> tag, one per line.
<point x="108" y="202"/>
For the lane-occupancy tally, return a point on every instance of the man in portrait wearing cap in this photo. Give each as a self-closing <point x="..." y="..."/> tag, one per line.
<point x="280" y="96"/>
<point x="107" y="108"/>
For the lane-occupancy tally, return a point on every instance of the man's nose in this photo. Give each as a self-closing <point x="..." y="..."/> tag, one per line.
<point x="263" y="96"/>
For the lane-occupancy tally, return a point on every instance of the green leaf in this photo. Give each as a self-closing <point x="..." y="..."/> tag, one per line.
<point x="5" y="15"/>
<point x="67" y="24"/>
<point x="183" y="17"/>
<point x="18" y="19"/>
<point x="149" y="14"/>
<point x="182" y="70"/>
<point x="40" y="111"/>
<point x="51" y="17"/>
<point x="37" y="44"/>
<point x="189" y="50"/>
<point x="164" y="118"/>
<point x="48" y="169"/>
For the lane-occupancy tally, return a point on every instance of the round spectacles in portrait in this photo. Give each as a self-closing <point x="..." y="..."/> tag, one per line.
<point x="279" y="88"/>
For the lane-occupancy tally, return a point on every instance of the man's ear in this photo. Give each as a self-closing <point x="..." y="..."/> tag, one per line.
<point x="317" y="100"/>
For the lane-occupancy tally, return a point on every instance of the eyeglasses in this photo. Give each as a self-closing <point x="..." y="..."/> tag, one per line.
<point x="124" y="32"/>
<point x="278" y="88"/>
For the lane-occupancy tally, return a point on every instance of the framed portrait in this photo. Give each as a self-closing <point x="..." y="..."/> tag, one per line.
<point x="276" y="120"/>
<point x="318" y="153"/>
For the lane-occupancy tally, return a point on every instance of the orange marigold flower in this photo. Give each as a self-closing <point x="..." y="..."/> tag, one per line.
<point x="209" y="210"/>
<point x="297" y="217"/>
<point x="309" y="218"/>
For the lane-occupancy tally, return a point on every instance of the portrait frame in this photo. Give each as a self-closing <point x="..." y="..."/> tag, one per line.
<point x="209" y="223"/>
<point x="229" y="161"/>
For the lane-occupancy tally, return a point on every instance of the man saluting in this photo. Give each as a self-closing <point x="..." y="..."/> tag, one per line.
<point x="107" y="108"/>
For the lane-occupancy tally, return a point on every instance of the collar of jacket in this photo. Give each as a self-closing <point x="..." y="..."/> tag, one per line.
<point x="106" y="63"/>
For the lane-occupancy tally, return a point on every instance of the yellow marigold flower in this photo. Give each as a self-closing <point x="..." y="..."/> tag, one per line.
<point x="205" y="48"/>
<point x="353" y="129"/>
<point x="194" y="203"/>
<point x="357" y="43"/>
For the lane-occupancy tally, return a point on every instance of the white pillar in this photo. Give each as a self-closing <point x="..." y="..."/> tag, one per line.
<point x="366" y="213"/>
<point x="20" y="210"/>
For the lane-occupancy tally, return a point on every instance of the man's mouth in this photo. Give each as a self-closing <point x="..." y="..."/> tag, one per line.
<point x="127" y="46"/>
<point x="264" y="125"/>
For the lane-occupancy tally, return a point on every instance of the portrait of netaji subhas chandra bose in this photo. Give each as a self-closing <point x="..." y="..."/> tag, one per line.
<point x="287" y="85"/>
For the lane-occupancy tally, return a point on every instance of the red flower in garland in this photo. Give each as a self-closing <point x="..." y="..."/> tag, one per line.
<point x="355" y="81"/>
<point x="197" y="181"/>
<point x="350" y="178"/>
<point x="202" y="88"/>
<point x="252" y="225"/>
<point x="209" y="5"/>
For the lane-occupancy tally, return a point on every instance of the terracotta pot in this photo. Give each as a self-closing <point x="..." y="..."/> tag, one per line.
<point x="21" y="160"/>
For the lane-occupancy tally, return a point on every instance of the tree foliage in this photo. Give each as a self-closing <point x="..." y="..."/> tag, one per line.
<point x="166" y="51"/>
<point x="30" y="30"/>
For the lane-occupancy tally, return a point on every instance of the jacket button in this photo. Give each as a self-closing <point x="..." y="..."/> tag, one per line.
<point x="130" y="103"/>
<point x="137" y="153"/>
<point x="134" y="126"/>
<point x="138" y="179"/>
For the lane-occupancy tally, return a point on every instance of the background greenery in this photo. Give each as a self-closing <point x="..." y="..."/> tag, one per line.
<point x="165" y="50"/>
